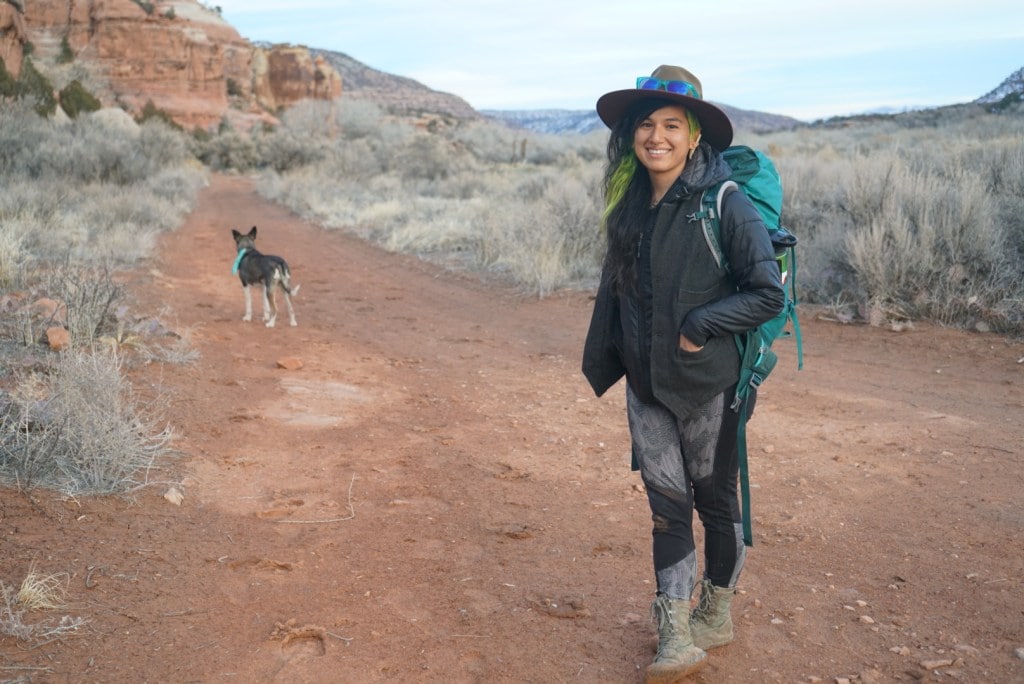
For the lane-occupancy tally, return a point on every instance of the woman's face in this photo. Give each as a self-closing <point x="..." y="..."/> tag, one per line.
<point x="662" y="142"/>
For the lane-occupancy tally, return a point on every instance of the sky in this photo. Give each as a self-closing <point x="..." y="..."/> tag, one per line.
<point x="808" y="59"/>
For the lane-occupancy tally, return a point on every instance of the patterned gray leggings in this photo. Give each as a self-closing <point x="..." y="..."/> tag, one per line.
<point x="687" y="464"/>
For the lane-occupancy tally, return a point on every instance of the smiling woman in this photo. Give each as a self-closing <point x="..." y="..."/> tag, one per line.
<point x="665" y="316"/>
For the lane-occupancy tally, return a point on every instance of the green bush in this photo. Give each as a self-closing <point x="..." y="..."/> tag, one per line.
<point x="75" y="99"/>
<point x="31" y="85"/>
<point x="66" y="55"/>
<point x="1009" y="102"/>
<point x="151" y="112"/>
<point x="36" y="86"/>
<point x="8" y="84"/>
<point x="284" y="150"/>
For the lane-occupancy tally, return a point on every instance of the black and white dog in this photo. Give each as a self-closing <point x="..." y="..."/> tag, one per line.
<point x="254" y="268"/>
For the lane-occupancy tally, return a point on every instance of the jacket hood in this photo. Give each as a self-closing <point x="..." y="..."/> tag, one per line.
<point x="706" y="168"/>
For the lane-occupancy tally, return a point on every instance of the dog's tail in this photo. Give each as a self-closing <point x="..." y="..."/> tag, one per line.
<point x="284" y="277"/>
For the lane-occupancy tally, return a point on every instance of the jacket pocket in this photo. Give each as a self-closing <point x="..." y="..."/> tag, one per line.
<point x="693" y="298"/>
<point x="708" y="354"/>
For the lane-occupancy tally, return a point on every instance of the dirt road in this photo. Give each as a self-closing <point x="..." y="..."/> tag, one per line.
<point x="436" y="496"/>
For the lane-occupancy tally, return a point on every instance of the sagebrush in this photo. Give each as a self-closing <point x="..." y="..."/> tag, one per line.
<point x="78" y="427"/>
<point x="910" y="218"/>
<point x="82" y="199"/>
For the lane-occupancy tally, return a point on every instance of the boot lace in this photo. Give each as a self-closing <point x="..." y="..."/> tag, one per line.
<point x="703" y="608"/>
<point x="661" y="611"/>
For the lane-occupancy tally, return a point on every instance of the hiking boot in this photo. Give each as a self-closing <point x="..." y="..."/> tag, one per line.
<point x="711" y="621"/>
<point x="677" y="656"/>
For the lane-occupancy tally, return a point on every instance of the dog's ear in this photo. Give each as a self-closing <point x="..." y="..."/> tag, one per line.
<point x="252" y="233"/>
<point x="235" y="234"/>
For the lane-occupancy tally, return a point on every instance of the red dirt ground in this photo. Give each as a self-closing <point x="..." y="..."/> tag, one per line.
<point x="436" y="495"/>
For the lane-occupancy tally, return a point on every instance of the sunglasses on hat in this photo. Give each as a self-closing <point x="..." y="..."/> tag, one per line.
<point x="677" y="87"/>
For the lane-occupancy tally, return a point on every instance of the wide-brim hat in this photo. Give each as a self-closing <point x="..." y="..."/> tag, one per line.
<point x="674" y="84"/>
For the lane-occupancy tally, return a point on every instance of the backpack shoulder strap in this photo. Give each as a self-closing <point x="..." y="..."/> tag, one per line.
<point x="727" y="186"/>
<point x="710" y="216"/>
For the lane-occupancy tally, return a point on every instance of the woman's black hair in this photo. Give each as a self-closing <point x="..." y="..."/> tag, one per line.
<point x="626" y="216"/>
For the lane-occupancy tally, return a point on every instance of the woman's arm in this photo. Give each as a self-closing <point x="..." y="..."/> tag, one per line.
<point x="752" y="266"/>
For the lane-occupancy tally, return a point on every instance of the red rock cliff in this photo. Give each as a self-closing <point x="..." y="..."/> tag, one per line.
<point x="185" y="58"/>
<point x="12" y="37"/>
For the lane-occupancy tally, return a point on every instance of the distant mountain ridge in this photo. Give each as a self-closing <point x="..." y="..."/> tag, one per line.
<point x="408" y="97"/>
<point x="586" y="120"/>
<point x="547" y="120"/>
<point x="396" y="94"/>
<point x="1014" y="85"/>
<point x="405" y="96"/>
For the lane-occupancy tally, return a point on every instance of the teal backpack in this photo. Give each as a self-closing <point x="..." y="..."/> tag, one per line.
<point x="754" y="174"/>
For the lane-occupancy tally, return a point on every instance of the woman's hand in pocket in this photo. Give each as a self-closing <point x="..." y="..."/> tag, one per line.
<point x="688" y="346"/>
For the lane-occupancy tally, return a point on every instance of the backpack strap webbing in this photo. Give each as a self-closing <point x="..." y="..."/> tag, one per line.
<point x="741" y="456"/>
<point x="792" y="314"/>
<point x="752" y="355"/>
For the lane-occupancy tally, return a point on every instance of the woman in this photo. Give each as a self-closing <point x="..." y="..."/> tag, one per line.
<point x="664" y="317"/>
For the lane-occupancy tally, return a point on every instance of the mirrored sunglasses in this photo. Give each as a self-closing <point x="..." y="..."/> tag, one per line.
<point x="677" y="87"/>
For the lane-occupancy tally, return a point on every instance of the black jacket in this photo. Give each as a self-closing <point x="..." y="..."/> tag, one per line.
<point x="681" y="290"/>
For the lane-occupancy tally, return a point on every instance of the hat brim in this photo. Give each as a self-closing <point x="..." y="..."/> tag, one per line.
<point x="714" y="124"/>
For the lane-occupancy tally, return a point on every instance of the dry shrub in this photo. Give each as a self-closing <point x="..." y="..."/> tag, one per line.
<point x="12" y="254"/>
<point x="918" y="221"/>
<point x="79" y="199"/>
<point x="445" y="195"/>
<point x="79" y="429"/>
<point x="89" y="293"/>
<point x="921" y="215"/>
<point x="546" y="238"/>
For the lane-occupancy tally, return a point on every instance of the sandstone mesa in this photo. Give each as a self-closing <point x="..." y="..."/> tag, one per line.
<point x="181" y="55"/>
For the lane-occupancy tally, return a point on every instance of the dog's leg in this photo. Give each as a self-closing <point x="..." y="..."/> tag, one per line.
<point x="248" y="303"/>
<point x="269" y="306"/>
<point x="288" y="303"/>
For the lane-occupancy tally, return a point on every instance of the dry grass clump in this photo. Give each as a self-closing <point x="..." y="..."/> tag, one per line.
<point x="38" y="592"/>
